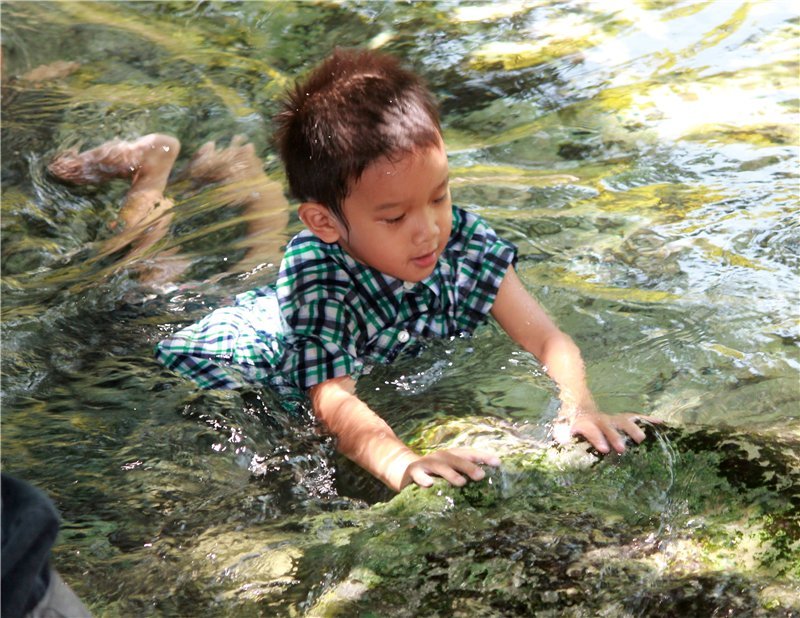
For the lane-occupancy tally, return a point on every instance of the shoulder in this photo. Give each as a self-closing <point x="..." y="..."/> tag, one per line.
<point x="479" y="259"/>
<point x="472" y="234"/>
<point x="303" y="248"/>
<point x="309" y="260"/>
<point x="312" y="273"/>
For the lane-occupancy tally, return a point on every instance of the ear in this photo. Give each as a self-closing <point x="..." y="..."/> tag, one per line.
<point x="321" y="221"/>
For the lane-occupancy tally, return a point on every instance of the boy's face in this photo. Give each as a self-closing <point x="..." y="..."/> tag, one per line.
<point x="400" y="214"/>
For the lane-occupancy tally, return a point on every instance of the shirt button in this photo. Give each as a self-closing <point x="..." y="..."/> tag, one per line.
<point x="403" y="336"/>
<point x="409" y="285"/>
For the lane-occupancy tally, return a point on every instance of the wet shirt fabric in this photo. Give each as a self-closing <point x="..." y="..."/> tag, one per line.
<point x="329" y="316"/>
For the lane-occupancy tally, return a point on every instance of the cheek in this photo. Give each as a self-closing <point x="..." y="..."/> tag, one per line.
<point x="446" y="226"/>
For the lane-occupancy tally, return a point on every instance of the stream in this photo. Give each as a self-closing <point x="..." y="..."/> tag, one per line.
<point x="642" y="154"/>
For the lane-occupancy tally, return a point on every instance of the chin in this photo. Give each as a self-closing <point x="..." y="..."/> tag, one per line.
<point x="420" y="277"/>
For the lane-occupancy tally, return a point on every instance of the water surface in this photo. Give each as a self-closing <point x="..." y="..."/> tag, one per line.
<point x="643" y="155"/>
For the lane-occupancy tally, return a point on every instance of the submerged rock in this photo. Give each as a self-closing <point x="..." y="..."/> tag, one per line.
<point x="694" y="521"/>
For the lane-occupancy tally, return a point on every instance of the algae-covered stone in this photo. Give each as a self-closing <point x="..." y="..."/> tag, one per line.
<point x="661" y="525"/>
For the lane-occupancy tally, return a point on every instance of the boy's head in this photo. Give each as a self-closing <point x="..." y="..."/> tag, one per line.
<point x="355" y="108"/>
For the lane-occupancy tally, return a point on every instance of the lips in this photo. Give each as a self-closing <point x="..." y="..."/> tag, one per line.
<point x="425" y="261"/>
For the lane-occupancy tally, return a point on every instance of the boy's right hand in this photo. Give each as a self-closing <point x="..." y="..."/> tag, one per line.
<point x="450" y="464"/>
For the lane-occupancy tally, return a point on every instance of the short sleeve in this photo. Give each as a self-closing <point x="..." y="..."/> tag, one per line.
<point x="322" y="343"/>
<point x="481" y="260"/>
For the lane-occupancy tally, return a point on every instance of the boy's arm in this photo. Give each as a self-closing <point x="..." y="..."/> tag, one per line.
<point x="366" y="439"/>
<point x="527" y="323"/>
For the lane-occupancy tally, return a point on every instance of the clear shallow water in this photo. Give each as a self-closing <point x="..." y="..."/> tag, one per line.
<point x="643" y="156"/>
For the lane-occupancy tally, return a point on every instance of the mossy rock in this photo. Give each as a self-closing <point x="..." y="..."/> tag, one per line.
<point x="669" y="528"/>
<point x="694" y="521"/>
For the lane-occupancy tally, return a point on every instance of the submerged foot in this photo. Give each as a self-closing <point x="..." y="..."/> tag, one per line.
<point x="237" y="161"/>
<point x="116" y="159"/>
<point x="54" y="70"/>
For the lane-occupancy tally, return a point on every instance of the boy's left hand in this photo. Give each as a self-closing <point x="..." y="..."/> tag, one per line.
<point x="602" y="431"/>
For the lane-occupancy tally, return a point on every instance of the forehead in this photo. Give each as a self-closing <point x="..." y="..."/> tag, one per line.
<point x="405" y="170"/>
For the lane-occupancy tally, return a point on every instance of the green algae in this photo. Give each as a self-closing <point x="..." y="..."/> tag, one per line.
<point x="670" y="521"/>
<point x="696" y="519"/>
<point x="497" y="543"/>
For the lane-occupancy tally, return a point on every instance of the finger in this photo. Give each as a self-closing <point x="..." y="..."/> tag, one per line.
<point x="643" y="417"/>
<point x="629" y="426"/>
<point x="453" y="477"/>
<point x="207" y="148"/>
<point x="424" y="479"/>
<point x="466" y="461"/>
<point x="650" y="419"/>
<point x="476" y="473"/>
<point x="449" y="466"/>
<point x="594" y="435"/>
<point x="420" y="477"/>
<point x="465" y="465"/>
<point x="477" y="456"/>
<point x="614" y="438"/>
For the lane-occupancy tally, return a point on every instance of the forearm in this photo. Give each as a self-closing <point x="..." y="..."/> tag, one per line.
<point x="362" y="436"/>
<point x="529" y="325"/>
<point x="562" y="361"/>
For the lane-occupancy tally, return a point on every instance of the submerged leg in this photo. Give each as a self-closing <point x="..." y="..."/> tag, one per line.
<point x="145" y="214"/>
<point x="242" y="181"/>
<point x="147" y="160"/>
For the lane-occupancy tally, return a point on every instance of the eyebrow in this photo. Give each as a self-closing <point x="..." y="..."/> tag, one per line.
<point x="388" y="205"/>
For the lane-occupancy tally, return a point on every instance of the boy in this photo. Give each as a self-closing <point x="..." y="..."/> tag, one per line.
<point x="385" y="260"/>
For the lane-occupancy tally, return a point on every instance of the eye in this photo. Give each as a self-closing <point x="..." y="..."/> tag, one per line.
<point x="394" y="220"/>
<point x="443" y="197"/>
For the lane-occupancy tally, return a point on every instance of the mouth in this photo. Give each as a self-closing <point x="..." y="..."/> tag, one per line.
<point x="426" y="260"/>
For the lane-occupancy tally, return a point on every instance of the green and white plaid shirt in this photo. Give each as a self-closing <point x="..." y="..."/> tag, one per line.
<point x="329" y="316"/>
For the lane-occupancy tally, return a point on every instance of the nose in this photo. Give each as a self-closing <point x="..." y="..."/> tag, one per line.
<point x="426" y="228"/>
